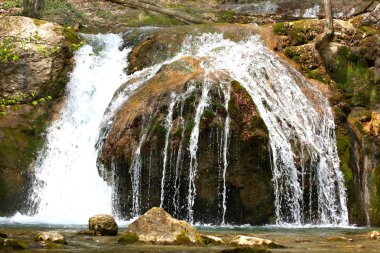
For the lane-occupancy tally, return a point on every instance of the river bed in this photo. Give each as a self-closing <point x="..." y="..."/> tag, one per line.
<point x="294" y="239"/>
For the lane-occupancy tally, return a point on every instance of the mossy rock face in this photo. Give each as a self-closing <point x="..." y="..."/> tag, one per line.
<point x="365" y="161"/>
<point x="128" y="238"/>
<point x="31" y="89"/>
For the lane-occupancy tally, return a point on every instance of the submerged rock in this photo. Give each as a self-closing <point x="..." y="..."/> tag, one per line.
<point x="103" y="224"/>
<point x="50" y="236"/>
<point x="158" y="227"/>
<point x="374" y="235"/>
<point x="250" y="241"/>
<point x="210" y="239"/>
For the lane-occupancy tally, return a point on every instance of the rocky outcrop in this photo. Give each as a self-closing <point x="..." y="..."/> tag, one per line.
<point x="103" y="224"/>
<point x="365" y="162"/>
<point x="157" y="227"/>
<point x="32" y="81"/>
<point x="50" y="237"/>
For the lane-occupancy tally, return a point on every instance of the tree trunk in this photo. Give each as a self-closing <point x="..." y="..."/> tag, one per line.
<point x="38" y="6"/>
<point x="329" y="18"/>
<point x="25" y="7"/>
<point x="148" y="6"/>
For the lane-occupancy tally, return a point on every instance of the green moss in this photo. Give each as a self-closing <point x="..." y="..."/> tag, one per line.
<point x="226" y="16"/>
<point x="343" y="145"/>
<point x="12" y="244"/>
<point x="39" y="22"/>
<point x="183" y="239"/>
<point x="280" y="29"/>
<point x="71" y="35"/>
<point x="128" y="238"/>
<point x="352" y="72"/>
<point x="208" y="114"/>
<point x="293" y="53"/>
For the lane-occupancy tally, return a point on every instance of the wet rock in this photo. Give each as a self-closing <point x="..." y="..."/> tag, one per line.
<point x="158" y="227"/>
<point x="3" y="235"/>
<point x="250" y="241"/>
<point x="50" y="237"/>
<point x="103" y="224"/>
<point x="40" y="61"/>
<point x="128" y="238"/>
<point x="11" y="244"/>
<point x="374" y="235"/>
<point x="209" y="239"/>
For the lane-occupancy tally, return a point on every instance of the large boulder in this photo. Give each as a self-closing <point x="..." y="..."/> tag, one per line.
<point x="142" y="120"/>
<point x="50" y="237"/>
<point x="158" y="227"/>
<point x="103" y="224"/>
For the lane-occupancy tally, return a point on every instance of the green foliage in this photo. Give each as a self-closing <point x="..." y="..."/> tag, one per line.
<point x="77" y="46"/>
<point x="41" y="100"/>
<point x="66" y="13"/>
<point x="7" y="4"/>
<point x="8" y="50"/>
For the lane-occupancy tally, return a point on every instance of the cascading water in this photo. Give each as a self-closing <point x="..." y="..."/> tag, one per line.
<point x="308" y="184"/>
<point x="226" y="131"/>
<point x="294" y="122"/>
<point x="68" y="188"/>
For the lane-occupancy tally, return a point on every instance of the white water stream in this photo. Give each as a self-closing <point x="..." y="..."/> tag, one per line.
<point x="68" y="188"/>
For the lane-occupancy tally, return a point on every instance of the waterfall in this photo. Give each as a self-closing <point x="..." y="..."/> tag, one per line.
<point x="68" y="188"/>
<point x="308" y="183"/>
<point x="301" y="128"/>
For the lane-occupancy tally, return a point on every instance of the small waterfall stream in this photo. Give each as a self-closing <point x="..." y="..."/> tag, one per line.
<point x="68" y="188"/>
